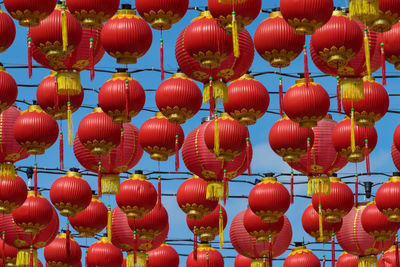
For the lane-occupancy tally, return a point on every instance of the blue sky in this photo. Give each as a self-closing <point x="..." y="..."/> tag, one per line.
<point x="264" y="160"/>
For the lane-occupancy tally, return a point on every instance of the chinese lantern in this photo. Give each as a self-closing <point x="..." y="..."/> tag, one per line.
<point x="121" y="97"/>
<point x="306" y="16"/>
<point x="306" y="104"/>
<point x="12" y="195"/>
<point x="92" y="14"/>
<point x="9" y="252"/>
<point x="389" y="13"/>
<point x="160" y="138"/>
<point x="91" y="220"/>
<point x="396" y="137"/>
<point x="391" y="49"/>
<point x="104" y="253"/>
<point x="269" y="199"/>
<point x="52" y="42"/>
<point x="396" y="157"/>
<point x="242" y="261"/>
<point x="64" y="250"/>
<point x="338" y="41"/>
<point x="385" y="195"/>
<point x="165" y="255"/>
<point x="191" y="198"/>
<point x="178" y="98"/>
<point x="205" y="256"/>
<point x="364" y="11"/>
<point x="35" y="130"/>
<point x="248" y="100"/>
<point x="8" y="87"/>
<point x="137" y="196"/>
<point x="370" y="109"/>
<point x="70" y="194"/>
<point x="301" y="255"/>
<point x="388" y="258"/>
<point x="28" y="13"/>
<point x="355" y="240"/>
<point x="311" y="224"/>
<point x="289" y="141"/>
<point x="337" y="203"/>
<point x="7" y="30"/>
<point x="262" y="231"/>
<point x="377" y="224"/>
<point x="126" y="36"/>
<point x="347" y="260"/>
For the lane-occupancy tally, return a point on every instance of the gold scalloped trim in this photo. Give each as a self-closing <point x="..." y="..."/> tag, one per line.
<point x="126" y="57"/>
<point x="58" y="264"/>
<point x="279" y="59"/>
<point x="290" y="155"/>
<point x="31" y="228"/>
<point x="392" y="214"/>
<point x="27" y="18"/>
<point x="147" y="234"/>
<point x="67" y="209"/>
<point x="4" y="105"/>
<point x="54" y="51"/>
<point x="195" y="211"/>
<point x="333" y="216"/>
<point x="357" y="156"/>
<point x="7" y="207"/>
<point x="395" y="60"/>
<point x="207" y="234"/>
<point x="177" y="115"/>
<point x="91" y="19"/>
<point x="209" y="59"/>
<point x="382" y="235"/>
<point x="263" y="236"/>
<point x="307" y="122"/>
<point x="385" y="21"/>
<point x="134" y="212"/>
<point x="161" y="20"/>
<point x="246" y="117"/>
<point x="304" y="26"/>
<point x="35" y="148"/>
<point x="269" y="216"/>
<point x="159" y="154"/>
<point x="119" y="116"/>
<point x="337" y="57"/>
<point x="99" y="148"/>
<point x="365" y="119"/>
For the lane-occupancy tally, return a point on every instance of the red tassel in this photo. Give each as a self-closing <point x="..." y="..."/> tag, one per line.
<point x="127" y="99"/>
<point x="264" y="261"/>
<point x="176" y="153"/>
<point x="367" y="158"/>
<point x="308" y="154"/>
<point x="35" y="179"/>
<point x="99" y="180"/>
<point x="56" y="100"/>
<point x="280" y="96"/>
<point x="356" y="191"/>
<point x="91" y="59"/>
<point x="208" y="259"/>
<point x="383" y="62"/>
<point x="86" y="260"/>
<point x="225" y="187"/>
<point x="397" y="251"/>
<point x="333" y="251"/>
<point x="3" y="255"/>
<point x="306" y="72"/>
<point x="29" y="54"/>
<point x="147" y="260"/>
<point x="159" y="189"/>
<point x="134" y="250"/>
<point x="31" y="257"/>
<point x="61" y="151"/>
<point x="68" y="240"/>
<point x="270" y="251"/>
<point x="248" y="156"/>
<point x="121" y="145"/>
<point x="212" y="106"/>
<point x="338" y="95"/>
<point x="162" y="57"/>
<point x="195" y="243"/>
<point x="323" y="260"/>
<point x="291" y="187"/>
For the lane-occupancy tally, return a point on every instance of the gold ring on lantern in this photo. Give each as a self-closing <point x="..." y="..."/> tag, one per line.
<point x="304" y="26"/>
<point x="161" y="20"/>
<point x="91" y="19"/>
<point x="195" y="211"/>
<point x="207" y="234"/>
<point x="27" y="18"/>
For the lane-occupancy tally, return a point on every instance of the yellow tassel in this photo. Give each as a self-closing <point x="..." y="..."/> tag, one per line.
<point x="258" y="263"/>
<point x="140" y="260"/>
<point x="364" y="10"/>
<point x="109" y="222"/>
<point x="220" y="91"/>
<point x="215" y="191"/>
<point x="352" y="132"/>
<point x="64" y="28"/>
<point x="367" y="261"/>
<point x="221" y="228"/>
<point x="110" y="184"/>
<point x="367" y="53"/>
<point x="23" y="258"/>
<point x="320" y="218"/>
<point x="70" y="125"/>
<point x="235" y="36"/>
<point x="319" y="185"/>
<point x="216" y="135"/>
<point x="7" y="171"/>
<point x="69" y="83"/>
<point x="352" y="89"/>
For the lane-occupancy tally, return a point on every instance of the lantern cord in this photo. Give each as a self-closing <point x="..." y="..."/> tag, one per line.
<point x="147" y="259"/>
<point x="29" y="54"/>
<point x="221" y="228"/>
<point x="127" y="99"/>
<point x="121" y="145"/>
<point x="338" y="95"/>
<point x="216" y="135"/>
<point x="35" y="178"/>
<point x="162" y="56"/>
<point x="159" y="189"/>
<point x="99" y="179"/>
<point x="248" y="156"/>
<point x="352" y="132"/>
<point x="367" y="53"/>
<point x="31" y="256"/>
<point x="333" y="250"/>
<point x="308" y="155"/>
<point x="280" y="96"/>
<point x="264" y="261"/>
<point x="306" y="72"/>
<point x="86" y="259"/>
<point x="61" y="149"/>
<point x="91" y="57"/>
<point x="3" y="255"/>
<point x="383" y="63"/>
<point x="68" y="240"/>
<point x="208" y="259"/>
<point x="320" y="220"/>
<point x="291" y="187"/>
<point x="195" y="242"/>
<point x="64" y="28"/>
<point x="225" y="190"/>
<point x="367" y="161"/>
<point x="323" y="260"/>
<point x="356" y="189"/>
<point x="270" y="251"/>
<point x="177" y="153"/>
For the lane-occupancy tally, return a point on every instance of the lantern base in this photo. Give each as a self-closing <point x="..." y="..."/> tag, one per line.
<point x="99" y="149"/>
<point x="67" y="210"/>
<point x="215" y="190"/>
<point x="55" y="55"/>
<point x="27" y="18"/>
<point x="159" y="157"/>
<point x="319" y="185"/>
<point x="304" y="26"/>
<point x="161" y="20"/>
<point x="279" y="59"/>
<point x="120" y="116"/>
<point x="397" y="65"/>
<point x="225" y="155"/>
<point x="337" y="57"/>
<point x="87" y="232"/>
<point x="110" y="184"/>
<point x="34" y="148"/>
<point x="177" y="115"/>
<point x="135" y="212"/>
<point x="291" y="155"/>
<point x="194" y="215"/>
<point x="145" y="234"/>
<point x="207" y="234"/>
<point x="126" y="58"/>
<point x="331" y="218"/>
<point x="382" y="235"/>
<point x="323" y="239"/>
<point x="367" y="261"/>
<point x="159" y="154"/>
<point x="279" y="63"/>
<point x="263" y="236"/>
<point x="6" y="207"/>
<point x="336" y="61"/>
<point x="24" y="258"/>
<point x="365" y="122"/>
<point x="7" y="171"/>
<point x="381" y="25"/>
<point x="269" y="216"/>
<point x="91" y="19"/>
<point x="161" y="24"/>
<point x="392" y="214"/>
<point x="29" y="228"/>
<point x="226" y="22"/>
<point x="210" y="60"/>
<point x="356" y="156"/>
<point x="195" y="211"/>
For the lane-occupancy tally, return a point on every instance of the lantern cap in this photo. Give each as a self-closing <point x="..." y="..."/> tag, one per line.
<point x="180" y="75"/>
<point x="73" y="173"/>
<point x="303" y="81"/>
<point x="269" y="179"/>
<point x="204" y="245"/>
<point x="275" y="14"/>
<point x="122" y="74"/>
<point x="395" y="177"/>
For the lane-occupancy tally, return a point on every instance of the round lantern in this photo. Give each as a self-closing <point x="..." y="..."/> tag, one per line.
<point x="389" y="13"/>
<point x="52" y="41"/>
<point x="289" y="141"/>
<point x="28" y="13"/>
<point x="347" y="260"/>
<point x="70" y="194"/>
<point x="35" y="130"/>
<point x="8" y="88"/>
<point x="137" y="196"/>
<point x="191" y="198"/>
<point x="277" y="42"/>
<point x="306" y="104"/>
<point x="178" y="98"/>
<point x="93" y="13"/>
<point x="248" y="100"/>
<point x="63" y="251"/>
<point x="306" y="16"/>
<point x="165" y="255"/>
<point x="376" y="224"/>
<point x="7" y="30"/>
<point x="392" y="51"/>
<point x="337" y="203"/>
<point x="269" y="199"/>
<point x="388" y="258"/>
<point x="118" y="40"/>
<point x="9" y="252"/>
<point x="104" y="253"/>
<point x="91" y="220"/>
<point x="209" y="226"/>
<point x="260" y="230"/>
<point x="385" y="195"/>
<point x="206" y="256"/>
<point x="338" y="41"/>
<point x="355" y="240"/>
<point x="162" y="14"/>
<point x="365" y="139"/>
<point x="98" y="133"/>
<point x="396" y="157"/>
<point x="301" y="256"/>
<point x="229" y="141"/>
<point x="207" y="42"/>
<point x="396" y="137"/>
<point x="12" y="194"/>
<point x="242" y="261"/>
<point x="160" y="138"/>
<point x="122" y="97"/>
<point x="310" y="222"/>
<point x="372" y="108"/>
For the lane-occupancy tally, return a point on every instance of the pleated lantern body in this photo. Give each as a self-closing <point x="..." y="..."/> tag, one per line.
<point x="206" y="255"/>
<point x="262" y="231"/>
<point x="392" y="50"/>
<point x="347" y="260"/>
<point x="388" y="259"/>
<point x="242" y="261"/>
<point x="8" y="88"/>
<point x="7" y="30"/>
<point x="59" y="253"/>
<point x="165" y="255"/>
<point x="13" y="194"/>
<point x="10" y="254"/>
<point x="395" y="156"/>
<point x="301" y="256"/>
<point x="396" y="137"/>
<point x="104" y="253"/>
<point x="30" y="13"/>
<point x="389" y="12"/>
<point x="387" y="195"/>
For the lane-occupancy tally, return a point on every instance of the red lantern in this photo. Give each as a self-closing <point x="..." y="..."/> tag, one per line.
<point x="301" y="255"/>
<point x="210" y="225"/>
<point x="347" y="260"/>
<point x="392" y="51"/>
<point x="306" y="16"/>
<point x="389" y="13"/>
<point x="137" y="196"/>
<point x="52" y="41"/>
<point x="269" y="199"/>
<point x="388" y="259"/>
<point x="396" y="157"/>
<point x="104" y="253"/>
<point x="338" y="41"/>
<point x="178" y="98"/>
<point x="165" y="255"/>
<point x="9" y="252"/>
<point x="396" y="137"/>
<point x="289" y="141"/>
<point x="262" y="231"/>
<point x="248" y="100"/>
<point x="376" y="224"/>
<point x="8" y="89"/>
<point x="242" y="261"/>
<point x="385" y="195"/>
<point x="205" y="256"/>
<point x="70" y="194"/>
<point x="162" y="14"/>
<point x="277" y="42"/>
<point x="191" y="198"/>
<point x="370" y="109"/>
<point x="118" y="40"/>
<point x="29" y="13"/>
<point x="310" y="222"/>
<point x="35" y="130"/>
<point x="160" y="138"/>
<point x="7" y="30"/>
<point x="365" y="140"/>
<point x="93" y="13"/>
<point x="91" y="220"/>
<point x="12" y="194"/>
<point x="64" y="251"/>
<point x="98" y="133"/>
<point x="122" y="97"/>
<point x="337" y="203"/>
<point x="306" y="104"/>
